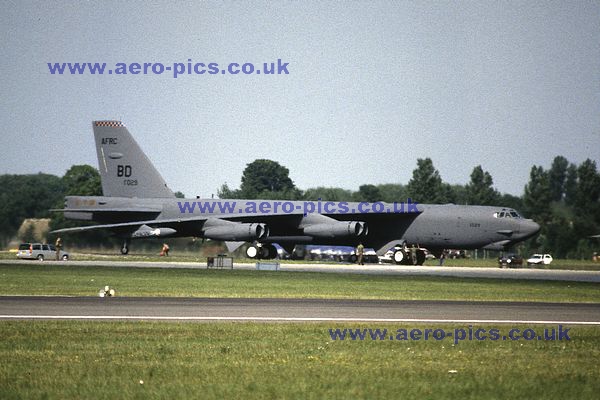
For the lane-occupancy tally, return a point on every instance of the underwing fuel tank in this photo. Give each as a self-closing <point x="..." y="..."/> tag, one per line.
<point x="145" y="231"/>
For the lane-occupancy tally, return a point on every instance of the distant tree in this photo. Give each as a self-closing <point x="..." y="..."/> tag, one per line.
<point x="587" y="200"/>
<point x="557" y="176"/>
<point x="426" y="184"/>
<point x="82" y="180"/>
<point x="588" y="186"/>
<point x="288" y="194"/>
<point x="225" y="192"/>
<point x="568" y="212"/>
<point x="459" y="194"/>
<point x="265" y="176"/>
<point x="537" y="197"/>
<point x="480" y="190"/>
<point x="369" y="193"/>
<point x="179" y="195"/>
<point x="392" y="192"/>
<point x="508" y="200"/>
<point x="327" y="194"/>
<point x="570" y="188"/>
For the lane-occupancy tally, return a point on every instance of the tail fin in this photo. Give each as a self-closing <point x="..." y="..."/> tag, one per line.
<point x="125" y="170"/>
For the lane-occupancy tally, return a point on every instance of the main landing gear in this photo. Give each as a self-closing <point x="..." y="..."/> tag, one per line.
<point x="261" y="251"/>
<point x="403" y="256"/>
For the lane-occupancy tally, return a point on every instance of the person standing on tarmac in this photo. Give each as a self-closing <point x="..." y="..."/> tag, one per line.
<point x="360" y="251"/>
<point x="58" y="246"/>
<point x="442" y="257"/>
<point x="413" y="254"/>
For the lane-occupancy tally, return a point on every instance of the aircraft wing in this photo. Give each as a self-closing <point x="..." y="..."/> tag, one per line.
<point x="157" y="222"/>
<point x="234" y="229"/>
<point x="271" y="218"/>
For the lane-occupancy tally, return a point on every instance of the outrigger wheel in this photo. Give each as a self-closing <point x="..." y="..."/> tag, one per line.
<point x="125" y="247"/>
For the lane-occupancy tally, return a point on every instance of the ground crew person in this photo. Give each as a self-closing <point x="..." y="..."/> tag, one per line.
<point x="442" y="257"/>
<point x="360" y="251"/>
<point x="165" y="250"/>
<point x="58" y="246"/>
<point x="413" y="254"/>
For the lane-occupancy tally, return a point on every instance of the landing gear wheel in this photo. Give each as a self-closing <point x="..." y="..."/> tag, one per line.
<point x="420" y="257"/>
<point x="270" y="252"/>
<point x="252" y="252"/>
<point x="125" y="248"/>
<point x="264" y="253"/>
<point x="398" y="256"/>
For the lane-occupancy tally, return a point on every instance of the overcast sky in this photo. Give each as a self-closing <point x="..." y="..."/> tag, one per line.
<point x="372" y="86"/>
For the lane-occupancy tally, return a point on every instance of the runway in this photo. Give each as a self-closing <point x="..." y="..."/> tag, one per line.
<point x="370" y="269"/>
<point x="295" y="310"/>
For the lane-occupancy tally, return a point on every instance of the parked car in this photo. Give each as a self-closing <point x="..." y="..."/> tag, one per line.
<point x="539" y="259"/>
<point x="39" y="251"/>
<point x="510" y="260"/>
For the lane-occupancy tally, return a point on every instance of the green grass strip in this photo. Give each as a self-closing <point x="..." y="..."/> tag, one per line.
<point x="146" y="360"/>
<point x="44" y="279"/>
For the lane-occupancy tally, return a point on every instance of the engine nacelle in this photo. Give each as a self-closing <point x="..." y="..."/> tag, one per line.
<point x="337" y="229"/>
<point x="235" y="231"/>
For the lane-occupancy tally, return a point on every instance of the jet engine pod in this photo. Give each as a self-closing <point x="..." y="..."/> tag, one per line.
<point x="336" y="229"/>
<point x="234" y="231"/>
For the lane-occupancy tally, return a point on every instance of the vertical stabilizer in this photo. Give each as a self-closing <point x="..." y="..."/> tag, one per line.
<point x="124" y="168"/>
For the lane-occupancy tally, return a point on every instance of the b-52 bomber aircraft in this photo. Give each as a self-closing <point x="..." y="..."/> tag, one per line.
<point x="137" y="203"/>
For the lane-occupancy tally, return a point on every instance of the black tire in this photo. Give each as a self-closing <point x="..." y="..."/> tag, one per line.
<point x="420" y="257"/>
<point x="40" y="257"/>
<point x="124" y="250"/>
<point x="263" y="253"/>
<point x="272" y="252"/>
<point x="65" y="257"/>
<point x="268" y="252"/>
<point x="353" y="258"/>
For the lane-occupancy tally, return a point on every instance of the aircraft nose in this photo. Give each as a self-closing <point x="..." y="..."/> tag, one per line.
<point x="529" y="227"/>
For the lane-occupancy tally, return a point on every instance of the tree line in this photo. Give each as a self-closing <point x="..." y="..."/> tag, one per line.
<point x="565" y="199"/>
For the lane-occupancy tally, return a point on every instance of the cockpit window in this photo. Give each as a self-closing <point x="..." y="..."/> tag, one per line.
<point x="507" y="214"/>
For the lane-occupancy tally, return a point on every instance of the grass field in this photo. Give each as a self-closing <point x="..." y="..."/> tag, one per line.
<point x="140" y="360"/>
<point x="87" y="360"/>
<point x="34" y="278"/>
